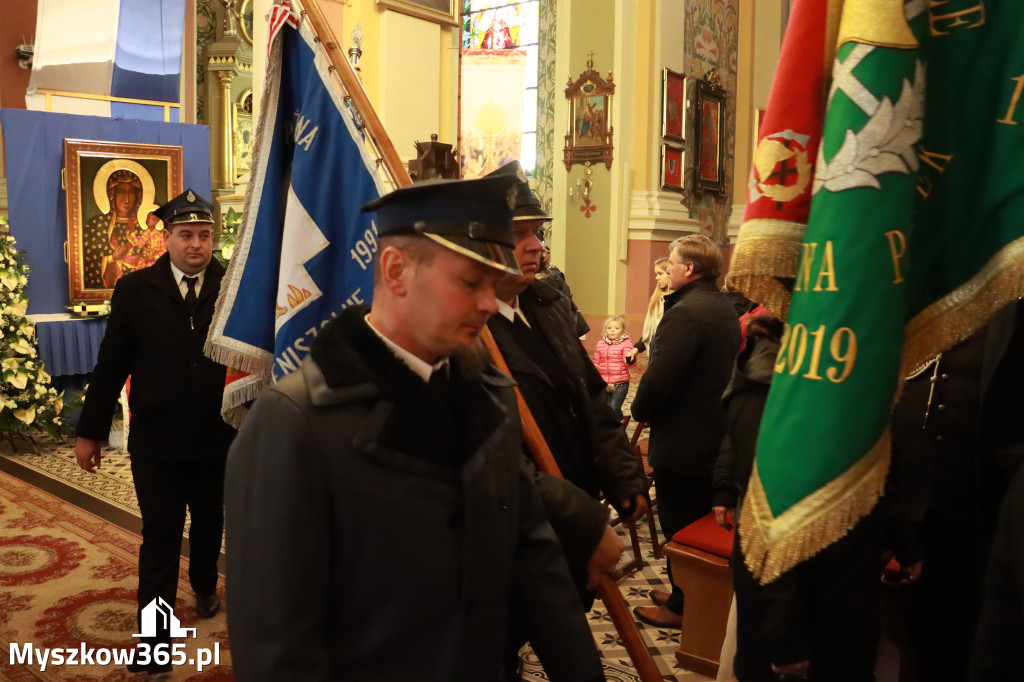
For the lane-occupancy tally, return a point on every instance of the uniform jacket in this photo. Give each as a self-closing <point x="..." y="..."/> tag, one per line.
<point x="176" y="391"/>
<point x="964" y="454"/>
<point x="610" y="360"/>
<point x="608" y="464"/>
<point x="998" y="654"/>
<point x="375" y="536"/>
<point x="680" y="394"/>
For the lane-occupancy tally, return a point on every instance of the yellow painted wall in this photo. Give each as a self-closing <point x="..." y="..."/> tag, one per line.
<point x="409" y="70"/>
<point x="760" y="41"/>
<point x="744" y="102"/>
<point x="588" y="246"/>
<point x="647" y="95"/>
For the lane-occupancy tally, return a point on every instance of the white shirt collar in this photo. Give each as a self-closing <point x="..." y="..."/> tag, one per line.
<point x="178" y="274"/>
<point x="420" y="368"/>
<point x="509" y="312"/>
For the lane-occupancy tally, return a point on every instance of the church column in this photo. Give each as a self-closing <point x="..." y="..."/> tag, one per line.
<point x="227" y="165"/>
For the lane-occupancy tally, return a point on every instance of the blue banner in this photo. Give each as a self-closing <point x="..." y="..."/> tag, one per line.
<point x="305" y="251"/>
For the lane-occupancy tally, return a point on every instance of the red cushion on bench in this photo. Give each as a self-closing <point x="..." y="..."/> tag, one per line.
<point x="705" y="534"/>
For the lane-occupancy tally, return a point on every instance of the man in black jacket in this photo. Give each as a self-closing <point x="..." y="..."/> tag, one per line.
<point x="381" y="521"/>
<point x="957" y="438"/>
<point x="680" y="397"/>
<point x="535" y="331"/>
<point x="159" y="317"/>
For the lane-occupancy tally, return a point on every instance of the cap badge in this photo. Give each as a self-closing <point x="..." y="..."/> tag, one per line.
<point x="190" y="196"/>
<point x="521" y="174"/>
<point x="513" y="194"/>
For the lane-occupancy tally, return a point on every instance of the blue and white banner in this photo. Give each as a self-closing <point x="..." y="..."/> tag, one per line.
<point x="118" y="48"/>
<point x="305" y="251"/>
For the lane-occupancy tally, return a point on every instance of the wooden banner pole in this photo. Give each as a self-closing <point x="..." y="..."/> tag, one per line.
<point x="609" y="592"/>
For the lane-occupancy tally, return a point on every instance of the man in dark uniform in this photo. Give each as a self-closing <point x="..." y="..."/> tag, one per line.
<point x="957" y="438"/>
<point x="536" y="333"/>
<point x="178" y="442"/>
<point x="381" y="521"/>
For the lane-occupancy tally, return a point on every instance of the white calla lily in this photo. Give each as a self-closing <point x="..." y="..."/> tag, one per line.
<point x="28" y="415"/>
<point x="19" y="380"/>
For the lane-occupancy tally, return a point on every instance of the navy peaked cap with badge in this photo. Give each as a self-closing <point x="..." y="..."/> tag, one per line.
<point x="527" y="204"/>
<point x="187" y="207"/>
<point x="470" y="217"/>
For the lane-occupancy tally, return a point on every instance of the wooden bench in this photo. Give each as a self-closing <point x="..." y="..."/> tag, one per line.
<point x="699" y="557"/>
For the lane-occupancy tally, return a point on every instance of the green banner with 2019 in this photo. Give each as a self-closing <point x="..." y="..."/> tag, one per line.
<point x="915" y="224"/>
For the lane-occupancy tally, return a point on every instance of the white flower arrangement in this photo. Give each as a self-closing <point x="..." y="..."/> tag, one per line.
<point x="28" y="404"/>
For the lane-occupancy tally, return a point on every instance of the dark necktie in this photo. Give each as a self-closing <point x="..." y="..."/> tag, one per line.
<point x="191" y="302"/>
<point x="440" y="384"/>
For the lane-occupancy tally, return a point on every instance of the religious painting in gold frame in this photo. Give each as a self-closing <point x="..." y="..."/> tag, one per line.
<point x="589" y="137"/>
<point x="245" y="20"/>
<point x="709" y="141"/>
<point x="438" y="11"/>
<point x="242" y="134"/>
<point x="110" y="189"/>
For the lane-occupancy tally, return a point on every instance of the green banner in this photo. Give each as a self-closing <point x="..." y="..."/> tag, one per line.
<point x="912" y="218"/>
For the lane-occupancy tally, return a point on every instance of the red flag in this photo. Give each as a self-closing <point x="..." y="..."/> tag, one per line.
<point x="779" y="190"/>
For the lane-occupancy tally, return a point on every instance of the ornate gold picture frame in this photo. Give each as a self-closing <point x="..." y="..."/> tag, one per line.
<point x="111" y="187"/>
<point x="589" y="138"/>
<point x="709" y="142"/>
<point x="672" y="168"/>
<point x="242" y="134"/>
<point x="438" y="11"/>
<point x="673" y="104"/>
<point x="245" y="20"/>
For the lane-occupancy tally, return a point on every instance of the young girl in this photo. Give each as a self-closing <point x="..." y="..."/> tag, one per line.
<point x="610" y="360"/>
<point x="655" y="309"/>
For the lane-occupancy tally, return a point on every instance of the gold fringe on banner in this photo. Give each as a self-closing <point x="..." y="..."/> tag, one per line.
<point x="963" y="312"/>
<point x="766" y="252"/>
<point x="772" y="546"/>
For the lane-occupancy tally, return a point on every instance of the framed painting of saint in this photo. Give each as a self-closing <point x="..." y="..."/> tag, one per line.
<point x="111" y="187"/>
<point x="589" y="138"/>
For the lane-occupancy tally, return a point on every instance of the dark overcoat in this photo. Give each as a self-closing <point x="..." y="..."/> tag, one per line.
<point x="606" y="461"/>
<point x="691" y="362"/>
<point x="362" y="546"/>
<point x="176" y="391"/>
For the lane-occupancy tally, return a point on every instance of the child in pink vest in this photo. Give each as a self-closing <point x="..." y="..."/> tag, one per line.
<point x="610" y="359"/>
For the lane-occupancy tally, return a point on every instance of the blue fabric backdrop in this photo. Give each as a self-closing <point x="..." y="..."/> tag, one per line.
<point x="34" y="144"/>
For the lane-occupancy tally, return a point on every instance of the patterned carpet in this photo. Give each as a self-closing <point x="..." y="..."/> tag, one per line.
<point x="68" y="578"/>
<point x="109" y="490"/>
<point x="111" y="483"/>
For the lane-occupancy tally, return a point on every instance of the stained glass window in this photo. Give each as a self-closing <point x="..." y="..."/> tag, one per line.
<point x="499" y="73"/>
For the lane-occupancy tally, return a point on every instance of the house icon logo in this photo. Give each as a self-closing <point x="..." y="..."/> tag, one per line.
<point x="158" y="616"/>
